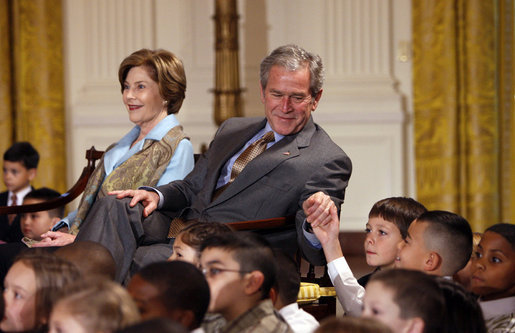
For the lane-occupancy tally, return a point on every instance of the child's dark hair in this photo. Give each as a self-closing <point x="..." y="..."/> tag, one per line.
<point x="287" y="283"/>
<point x="401" y="211"/>
<point x="450" y="234"/>
<point x="251" y="251"/>
<point x="506" y="230"/>
<point x="181" y="286"/>
<point x="417" y="294"/>
<point x="45" y="194"/>
<point x="24" y="153"/>
<point x="196" y="232"/>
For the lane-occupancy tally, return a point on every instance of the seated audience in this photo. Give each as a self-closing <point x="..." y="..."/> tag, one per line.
<point x="156" y="325"/>
<point x="464" y="276"/>
<point x="387" y="225"/>
<point x="284" y="295"/>
<point x="20" y="168"/>
<point x="240" y="270"/>
<point x="30" y="289"/>
<point x="463" y="313"/>
<point x="92" y="306"/>
<point x="405" y="300"/>
<point x="438" y="243"/>
<point x="493" y="277"/>
<point x="34" y="224"/>
<point x="352" y="325"/>
<point x="175" y="290"/>
<point x="92" y="259"/>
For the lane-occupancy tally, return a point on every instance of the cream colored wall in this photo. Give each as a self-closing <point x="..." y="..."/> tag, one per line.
<point x="367" y="94"/>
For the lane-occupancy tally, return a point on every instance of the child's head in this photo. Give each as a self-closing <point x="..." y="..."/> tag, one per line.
<point x="287" y="282"/>
<point x="31" y="286"/>
<point x="98" y="260"/>
<point x="405" y="300"/>
<point x="187" y="244"/>
<point x="96" y="305"/>
<point x="464" y="275"/>
<point x="493" y="272"/>
<point x="348" y="324"/>
<point x="438" y="243"/>
<point x="20" y="164"/>
<point x="36" y="223"/>
<point x="175" y="290"/>
<point x="240" y="270"/>
<point x="388" y="223"/>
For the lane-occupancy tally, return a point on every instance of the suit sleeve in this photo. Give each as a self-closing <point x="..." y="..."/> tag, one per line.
<point x="332" y="179"/>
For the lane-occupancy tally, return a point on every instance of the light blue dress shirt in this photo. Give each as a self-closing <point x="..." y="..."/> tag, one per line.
<point x="180" y="165"/>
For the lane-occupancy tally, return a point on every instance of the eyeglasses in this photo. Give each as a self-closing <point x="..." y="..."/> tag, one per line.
<point x="213" y="271"/>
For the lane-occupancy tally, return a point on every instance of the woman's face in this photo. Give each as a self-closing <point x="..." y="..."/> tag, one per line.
<point x="141" y="97"/>
<point x="20" y="299"/>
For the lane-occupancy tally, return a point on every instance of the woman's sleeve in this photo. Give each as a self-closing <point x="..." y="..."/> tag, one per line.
<point x="180" y="164"/>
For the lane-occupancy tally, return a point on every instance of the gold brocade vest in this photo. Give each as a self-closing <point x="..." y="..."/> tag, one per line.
<point x="144" y="168"/>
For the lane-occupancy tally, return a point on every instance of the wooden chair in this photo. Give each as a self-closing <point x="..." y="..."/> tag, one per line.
<point x="92" y="155"/>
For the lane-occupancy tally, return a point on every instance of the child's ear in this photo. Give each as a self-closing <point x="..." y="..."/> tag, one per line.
<point x="433" y="262"/>
<point x="184" y="317"/>
<point x="32" y="173"/>
<point x="416" y="325"/>
<point x="273" y="295"/>
<point x="253" y="282"/>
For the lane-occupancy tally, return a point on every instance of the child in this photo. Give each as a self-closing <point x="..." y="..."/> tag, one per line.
<point x="387" y="225"/>
<point x="464" y="275"/>
<point x="176" y="290"/>
<point x="34" y="224"/>
<point x="91" y="306"/>
<point x="352" y="325"/>
<point x="186" y="246"/>
<point x="405" y="300"/>
<point x="493" y="277"/>
<point x="240" y="271"/>
<point x="30" y="290"/>
<point x="20" y="165"/>
<point x="438" y="243"/>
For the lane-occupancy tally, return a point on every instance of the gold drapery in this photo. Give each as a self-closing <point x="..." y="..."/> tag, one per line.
<point x="32" y="86"/>
<point x="457" y="116"/>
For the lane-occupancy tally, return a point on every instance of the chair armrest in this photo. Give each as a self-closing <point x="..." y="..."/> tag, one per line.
<point x="92" y="155"/>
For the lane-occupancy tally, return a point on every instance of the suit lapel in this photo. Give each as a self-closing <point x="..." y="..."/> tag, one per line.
<point x="284" y="150"/>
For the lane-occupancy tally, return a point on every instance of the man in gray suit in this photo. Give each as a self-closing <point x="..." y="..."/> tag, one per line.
<point x="302" y="173"/>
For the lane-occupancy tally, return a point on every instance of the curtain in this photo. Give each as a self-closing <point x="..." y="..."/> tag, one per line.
<point x="32" y="89"/>
<point x="460" y="147"/>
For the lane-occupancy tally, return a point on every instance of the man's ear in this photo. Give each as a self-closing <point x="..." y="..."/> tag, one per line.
<point x="416" y="325"/>
<point x="32" y="173"/>
<point x="316" y="100"/>
<point x="253" y="282"/>
<point x="261" y="93"/>
<point x="433" y="262"/>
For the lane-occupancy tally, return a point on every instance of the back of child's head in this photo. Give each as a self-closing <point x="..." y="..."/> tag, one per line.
<point x="196" y="232"/>
<point x="24" y="153"/>
<point x="97" y="304"/>
<point x="463" y="313"/>
<point x="91" y="258"/>
<point x="348" y="324"/>
<point x="45" y="194"/>
<point x="181" y="286"/>
<point x="287" y="282"/>
<point x="417" y="294"/>
<point x="450" y="236"/>
<point x="251" y="251"/>
<point x="52" y="274"/>
<point x="400" y="211"/>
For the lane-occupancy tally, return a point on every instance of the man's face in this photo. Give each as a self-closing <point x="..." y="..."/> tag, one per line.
<point x="225" y="282"/>
<point x="288" y="101"/>
<point x="413" y="251"/>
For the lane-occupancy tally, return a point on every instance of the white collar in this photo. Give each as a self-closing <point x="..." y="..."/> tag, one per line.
<point x="498" y="307"/>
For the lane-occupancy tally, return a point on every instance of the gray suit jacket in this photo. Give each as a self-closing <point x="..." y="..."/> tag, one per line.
<point x="274" y="184"/>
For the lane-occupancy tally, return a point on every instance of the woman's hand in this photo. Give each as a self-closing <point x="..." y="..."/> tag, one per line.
<point x="55" y="238"/>
<point x="149" y="199"/>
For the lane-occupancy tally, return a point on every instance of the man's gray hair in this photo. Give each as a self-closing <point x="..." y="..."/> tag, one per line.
<point x="293" y="57"/>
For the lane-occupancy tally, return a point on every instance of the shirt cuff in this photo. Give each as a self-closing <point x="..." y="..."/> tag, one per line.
<point x="310" y="237"/>
<point x="152" y="189"/>
<point x="338" y="266"/>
